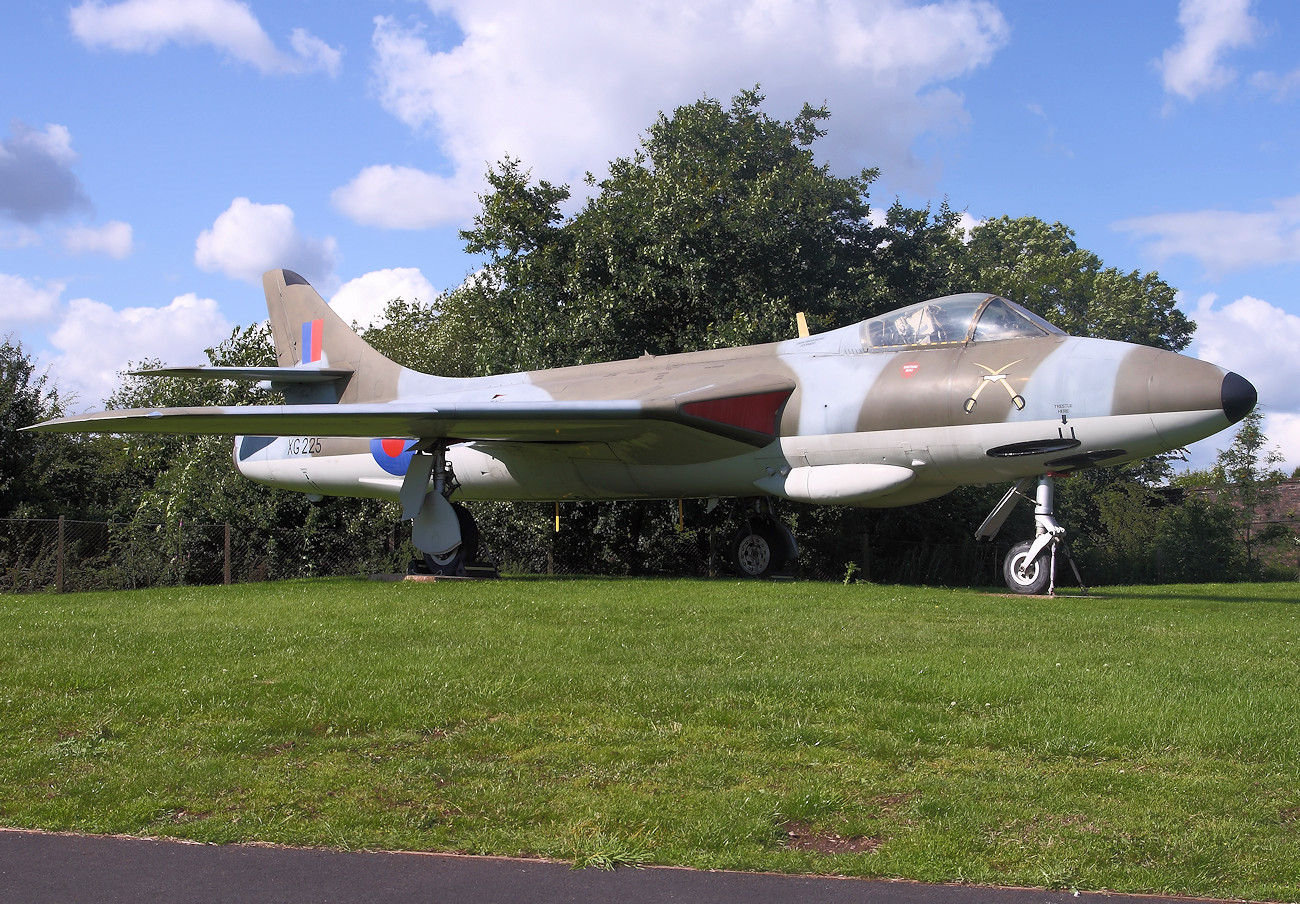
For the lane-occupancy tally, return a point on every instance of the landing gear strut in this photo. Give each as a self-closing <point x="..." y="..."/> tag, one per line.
<point x="1030" y="566"/>
<point x="444" y="533"/>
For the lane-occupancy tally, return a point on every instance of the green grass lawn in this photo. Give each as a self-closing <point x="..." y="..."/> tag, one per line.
<point x="1144" y="740"/>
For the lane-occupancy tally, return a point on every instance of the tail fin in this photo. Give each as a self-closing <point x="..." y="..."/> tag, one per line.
<point x="308" y="333"/>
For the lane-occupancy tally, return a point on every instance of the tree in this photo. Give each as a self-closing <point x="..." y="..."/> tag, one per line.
<point x="425" y="336"/>
<point x="1197" y="542"/>
<point x="715" y="232"/>
<point x="44" y="475"/>
<point x="1042" y="267"/>
<point x="25" y="399"/>
<point x="190" y="479"/>
<point x="1246" y="476"/>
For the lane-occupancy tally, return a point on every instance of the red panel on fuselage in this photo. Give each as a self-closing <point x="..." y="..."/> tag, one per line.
<point x="757" y="412"/>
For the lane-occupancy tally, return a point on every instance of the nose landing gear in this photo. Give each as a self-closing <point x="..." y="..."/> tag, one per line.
<point x="1030" y="566"/>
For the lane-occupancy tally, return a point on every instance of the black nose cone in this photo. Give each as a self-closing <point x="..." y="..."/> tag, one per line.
<point x="1239" y="397"/>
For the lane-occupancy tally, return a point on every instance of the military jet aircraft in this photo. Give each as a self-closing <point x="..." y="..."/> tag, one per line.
<point x="904" y="407"/>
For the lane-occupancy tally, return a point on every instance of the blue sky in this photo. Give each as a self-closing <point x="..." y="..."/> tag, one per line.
<point x="157" y="155"/>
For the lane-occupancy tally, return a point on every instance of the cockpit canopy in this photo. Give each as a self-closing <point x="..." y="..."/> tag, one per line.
<point x="954" y="320"/>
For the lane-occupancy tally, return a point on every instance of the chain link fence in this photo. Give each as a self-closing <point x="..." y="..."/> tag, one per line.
<point x="706" y="552"/>
<point x="67" y="555"/>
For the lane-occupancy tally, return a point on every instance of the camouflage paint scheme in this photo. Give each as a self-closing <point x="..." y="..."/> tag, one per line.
<point x="968" y="389"/>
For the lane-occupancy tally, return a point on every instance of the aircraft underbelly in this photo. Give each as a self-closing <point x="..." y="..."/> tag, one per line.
<point x="859" y="464"/>
<point x="327" y="475"/>
<point x="532" y="473"/>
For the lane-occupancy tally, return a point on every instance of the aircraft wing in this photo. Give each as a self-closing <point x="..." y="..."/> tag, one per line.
<point x="657" y="431"/>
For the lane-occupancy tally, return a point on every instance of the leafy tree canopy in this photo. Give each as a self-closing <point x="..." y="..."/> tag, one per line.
<point x="1040" y="266"/>
<point x="24" y="400"/>
<point x="715" y="232"/>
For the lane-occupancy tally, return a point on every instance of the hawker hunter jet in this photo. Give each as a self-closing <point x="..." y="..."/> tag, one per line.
<point x="904" y="407"/>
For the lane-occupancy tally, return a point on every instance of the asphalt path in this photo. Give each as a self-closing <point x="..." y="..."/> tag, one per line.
<point x="39" y="868"/>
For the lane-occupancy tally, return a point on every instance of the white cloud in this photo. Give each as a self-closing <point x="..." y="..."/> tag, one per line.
<point x="1257" y="340"/>
<point x="400" y="197"/>
<point x="315" y="53"/>
<point x="114" y="238"/>
<point x="20" y="237"/>
<point x="248" y="239"/>
<point x="95" y="342"/>
<point x="144" y="26"/>
<point x="967" y="224"/>
<point x="36" y="180"/>
<point x="55" y="142"/>
<point x="22" y="301"/>
<point x="1210" y="29"/>
<point x="1280" y="86"/>
<point x="362" y="300"/>
<point x="1224" y="240"/>
<point x="1283" y="431"/>
<point x="566" y="87"/>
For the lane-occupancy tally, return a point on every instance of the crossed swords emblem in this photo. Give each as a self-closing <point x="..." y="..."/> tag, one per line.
<point x="996" y="376"/>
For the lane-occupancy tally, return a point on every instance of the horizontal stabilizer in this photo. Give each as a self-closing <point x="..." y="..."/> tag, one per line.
<point x="273" y="374"/>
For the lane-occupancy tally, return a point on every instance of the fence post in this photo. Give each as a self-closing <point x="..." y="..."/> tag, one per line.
<point x="58" y="569"/>
<point x="225" y="569"/>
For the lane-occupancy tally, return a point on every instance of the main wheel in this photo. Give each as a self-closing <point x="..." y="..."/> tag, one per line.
<point x="1024" y="575"/>
<point x="754" y="551"/>
<point x="453" y="561"/>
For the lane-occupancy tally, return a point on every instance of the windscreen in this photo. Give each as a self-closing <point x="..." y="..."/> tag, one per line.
<point x="953" y="320"/>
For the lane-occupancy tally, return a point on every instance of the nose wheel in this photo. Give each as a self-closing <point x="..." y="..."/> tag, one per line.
<point x="1030" y="566"/>
<point x="1025" y="573"/>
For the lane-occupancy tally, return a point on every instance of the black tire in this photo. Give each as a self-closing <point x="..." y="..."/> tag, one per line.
<point x="755" y="552"/>
<point x="1024" y="576"/>
<point x="454" y="562"/>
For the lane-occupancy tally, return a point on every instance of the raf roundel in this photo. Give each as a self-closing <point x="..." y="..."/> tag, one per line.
<point x="393" y="455"/>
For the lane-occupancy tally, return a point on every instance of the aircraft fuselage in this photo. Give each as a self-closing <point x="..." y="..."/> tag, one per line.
<point x="966" y="389"/>
<point x="860" y="425"/>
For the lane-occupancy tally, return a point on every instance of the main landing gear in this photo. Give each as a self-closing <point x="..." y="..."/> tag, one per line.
<point x="1030" y="566"/>
<point x="443" y="532"/>
<point x="763" y="544"/>
<point x="456" y="560"/>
